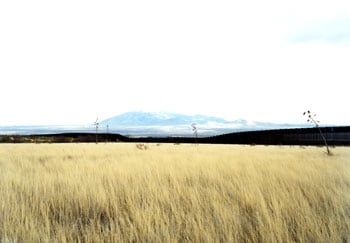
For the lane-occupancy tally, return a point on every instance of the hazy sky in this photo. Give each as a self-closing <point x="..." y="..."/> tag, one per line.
<point x="68" y="61"/>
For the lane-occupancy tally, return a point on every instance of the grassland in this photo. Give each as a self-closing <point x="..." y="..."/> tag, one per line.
<point x="170" y="193"/>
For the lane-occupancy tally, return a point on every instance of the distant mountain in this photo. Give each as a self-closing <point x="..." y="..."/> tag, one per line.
<point x="174" y="124"/>
<point x="158" y="124"/>
<point x="159" y="119"/>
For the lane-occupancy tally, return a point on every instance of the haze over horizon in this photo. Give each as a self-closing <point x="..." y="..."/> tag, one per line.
<point x="67" y="62"/>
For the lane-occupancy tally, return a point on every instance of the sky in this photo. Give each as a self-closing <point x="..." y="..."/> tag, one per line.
<point x="70" y="61"/>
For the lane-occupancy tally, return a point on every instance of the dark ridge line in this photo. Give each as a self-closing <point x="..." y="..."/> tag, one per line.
<point x="293" y="136"/>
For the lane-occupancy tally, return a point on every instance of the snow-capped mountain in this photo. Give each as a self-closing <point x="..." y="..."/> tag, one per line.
<point x="154" y="124"/>
<point x="174" y="124"/>
<point x="159" y="119"/>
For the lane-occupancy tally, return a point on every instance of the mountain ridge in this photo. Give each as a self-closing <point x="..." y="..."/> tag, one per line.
<point x="159" y="124"/>
<point x="140" y="118"/>
<point x="173" y="124"/>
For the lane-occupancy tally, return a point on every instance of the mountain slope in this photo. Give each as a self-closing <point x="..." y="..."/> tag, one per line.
<point x="173" y="124"/>
<point x="159" y="119"/>
<point x="155" y="124"/>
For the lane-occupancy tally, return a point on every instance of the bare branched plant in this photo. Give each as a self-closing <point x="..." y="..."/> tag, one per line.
<point x="107" y="132"/>
<point x="96" y="124"/>
<point x="311" y="118"/>
<point x="195" y="132"/>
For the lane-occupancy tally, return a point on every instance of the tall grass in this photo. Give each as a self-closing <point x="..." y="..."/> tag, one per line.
<point x="167" y="193"/>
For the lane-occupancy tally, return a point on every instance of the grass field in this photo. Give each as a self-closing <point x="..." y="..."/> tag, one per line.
<point x="170" y="193"/>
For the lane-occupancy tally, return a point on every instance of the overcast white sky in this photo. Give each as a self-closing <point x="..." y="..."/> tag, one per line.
<point x="68" y="61"/>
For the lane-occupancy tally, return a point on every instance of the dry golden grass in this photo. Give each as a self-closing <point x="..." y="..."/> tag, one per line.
<point x="170" y="193"/>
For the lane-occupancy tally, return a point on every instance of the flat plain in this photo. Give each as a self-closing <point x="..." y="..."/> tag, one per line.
<point x="126" y="192"/>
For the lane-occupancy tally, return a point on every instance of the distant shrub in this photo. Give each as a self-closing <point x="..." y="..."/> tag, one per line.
<point x="141" y="146"/>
